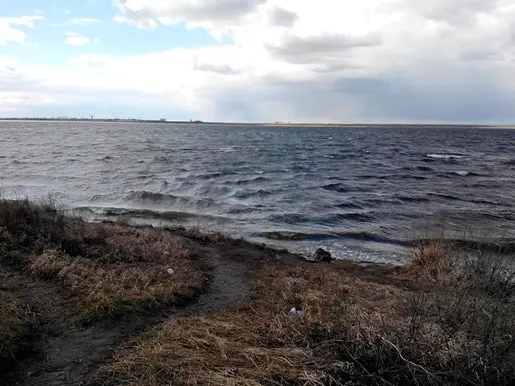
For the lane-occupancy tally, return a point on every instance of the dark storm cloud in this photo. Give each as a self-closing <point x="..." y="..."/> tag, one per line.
<point x="452" y="100"/>
<point x="473" y="97"/>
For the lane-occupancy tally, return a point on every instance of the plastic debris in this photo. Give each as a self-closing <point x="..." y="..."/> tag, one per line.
<point x="294" y="313"/>
<point x="170" y="271"/>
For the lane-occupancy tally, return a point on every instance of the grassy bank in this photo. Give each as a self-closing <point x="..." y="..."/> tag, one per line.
<point x="423" y="324"/>
<point x="107" y="268"/>
<point x="447" y="318"/>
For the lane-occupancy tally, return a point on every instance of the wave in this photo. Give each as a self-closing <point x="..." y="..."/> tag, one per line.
<point x="447" y="156"/>
<point x="208" y="176"/>
<point x="166" y="198"/>
<point x="360" y="236"/>
<point x="464" y="173"/>
<point x="245" y="194"/>
<point x="337" y="187"/>
<point x="290" y="218"/>
<point x="249" y="181"/>
<point x="349" y="205"/>
<point x="445" y="196"/>
<point x="412" y="177"/>
<point x="424" y="168"/>
<point x="295" y="236"/>
<point x="460" y="173"/>
<point x="147" y="214"/>
<point x="403" y="198"/>
<point x="487" y="202"/>
<point x="337" y="218"/>
<point x="240" y="210"/>
<point x="374" y="177"/>
<point x="145" y="195"/>
<point x="330" y="219"/>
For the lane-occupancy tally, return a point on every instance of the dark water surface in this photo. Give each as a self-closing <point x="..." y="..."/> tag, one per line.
<point x="359" y="192"/>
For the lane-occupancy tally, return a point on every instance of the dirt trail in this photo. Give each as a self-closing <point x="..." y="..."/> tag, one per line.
<point x="72" y="355"/>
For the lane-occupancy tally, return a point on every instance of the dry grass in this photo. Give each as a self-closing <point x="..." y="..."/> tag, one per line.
<point x="454" y="325"/>
<point x="127" y="270"/>
<point x="16" y="320"/>
<point x="430" y="254"/>
<point x="109" y="267"/>
<point x="260" y="344"/>
<point x="354" y="330"/>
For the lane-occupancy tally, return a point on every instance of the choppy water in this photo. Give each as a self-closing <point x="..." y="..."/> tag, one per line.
<point x="359" y="192"/>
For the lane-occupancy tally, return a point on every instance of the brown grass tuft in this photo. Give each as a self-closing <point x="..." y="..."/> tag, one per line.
<point x="128" y="272"/>
<point x="431" y="255"/>
<point x="108" y="267"/>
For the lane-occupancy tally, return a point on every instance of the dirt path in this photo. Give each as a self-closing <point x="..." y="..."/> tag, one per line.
<point x="72" y="355"/>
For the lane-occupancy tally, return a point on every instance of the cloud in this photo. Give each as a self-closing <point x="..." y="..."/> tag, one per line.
<point x="210" y="67"/>
<point x="84" y="21"/>
<point x="312" y="49"/>
<point x="76" y="39"/>
<point x="8" y="33"/>
<point x="282" y="17"/>
<point x="78" y="21"/>
<point x="303" y="60"/>
<point x="152" y="13"/>
<point x="460" y="12"/>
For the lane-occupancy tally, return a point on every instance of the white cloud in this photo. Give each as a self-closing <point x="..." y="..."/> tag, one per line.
<point x="76" y="39"/>
<point x="149" y="14"/>
<point x="84" y="21"/>
<point x="373" y="60"/>
<point x="78" y="21"/>
<point x="9" y="28"/>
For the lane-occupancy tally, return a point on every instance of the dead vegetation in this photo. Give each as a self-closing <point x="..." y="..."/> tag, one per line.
<point x="16" y="322"/>
<point x="107" y="268"/>
<point x="353" y="330"/>
<point x="117" y="287"/>
<point x="448" y="318"/>
<point x="259" y="343"/>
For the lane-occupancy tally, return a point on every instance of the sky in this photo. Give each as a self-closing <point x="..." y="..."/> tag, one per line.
<point x="334" y="61"/>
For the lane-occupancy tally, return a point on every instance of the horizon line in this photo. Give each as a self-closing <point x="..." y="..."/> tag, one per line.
<point x="276" y="123"/>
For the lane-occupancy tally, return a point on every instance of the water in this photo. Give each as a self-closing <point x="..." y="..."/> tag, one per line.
<point x="359" y="192"/>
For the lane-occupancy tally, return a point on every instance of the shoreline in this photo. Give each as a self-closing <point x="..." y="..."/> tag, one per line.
<point x="111" y="303"/>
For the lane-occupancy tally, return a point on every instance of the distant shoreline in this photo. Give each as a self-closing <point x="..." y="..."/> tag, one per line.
<point x="292" y="124"/>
